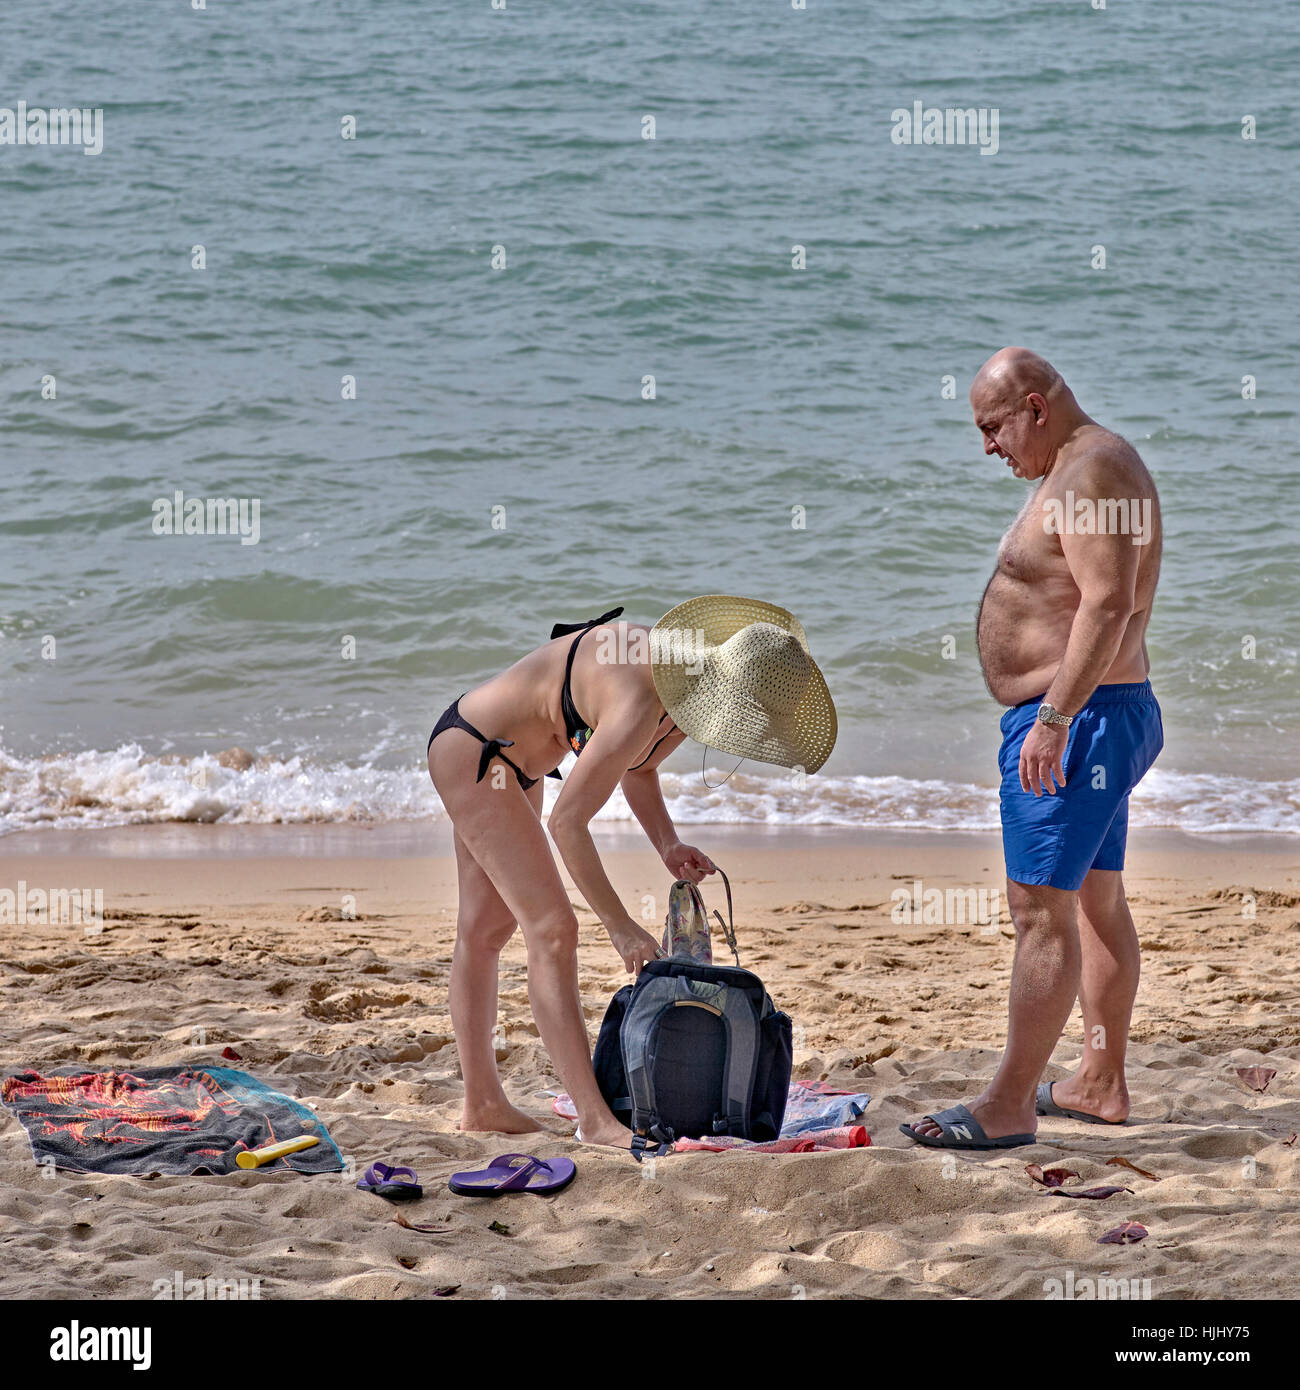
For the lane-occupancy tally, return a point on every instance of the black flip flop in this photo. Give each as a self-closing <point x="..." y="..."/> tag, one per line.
<point x="1045" y="1105"/>
<point x="961" y="1130"/>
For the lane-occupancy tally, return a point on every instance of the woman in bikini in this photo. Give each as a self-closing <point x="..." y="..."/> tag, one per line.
<point x="733" y="673"/>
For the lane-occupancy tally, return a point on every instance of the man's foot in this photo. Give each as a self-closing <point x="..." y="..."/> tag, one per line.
<point x="501" y="1118"/>
<point x="1106" y="1098"/>
<point x="996" y="1119"/>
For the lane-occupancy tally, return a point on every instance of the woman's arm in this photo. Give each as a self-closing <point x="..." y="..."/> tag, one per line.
<point x="623" y="731"/>
<point x="645" y="797"/>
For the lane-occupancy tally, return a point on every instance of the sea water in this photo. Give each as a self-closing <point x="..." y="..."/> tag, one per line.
<point x="502" y="317"/>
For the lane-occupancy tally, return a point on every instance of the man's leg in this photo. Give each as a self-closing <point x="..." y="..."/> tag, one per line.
<point x="1044" y="984"/>
<point x="1107" y="987"/>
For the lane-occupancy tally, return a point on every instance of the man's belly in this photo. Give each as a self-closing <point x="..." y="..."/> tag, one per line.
<point x="1023" y="635"/>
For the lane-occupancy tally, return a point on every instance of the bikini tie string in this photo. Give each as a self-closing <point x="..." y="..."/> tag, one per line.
<point x="491" y="749"/>
<point x="563" y="629"/>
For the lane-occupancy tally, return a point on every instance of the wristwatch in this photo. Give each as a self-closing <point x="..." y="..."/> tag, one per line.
<point x="1048" y="715"/>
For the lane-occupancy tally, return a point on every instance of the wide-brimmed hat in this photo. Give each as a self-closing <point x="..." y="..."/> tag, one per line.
<point x="736" y="674"/>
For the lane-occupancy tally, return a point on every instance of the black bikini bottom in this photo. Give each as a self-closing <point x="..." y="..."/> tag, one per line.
<point x="492" y="747"/>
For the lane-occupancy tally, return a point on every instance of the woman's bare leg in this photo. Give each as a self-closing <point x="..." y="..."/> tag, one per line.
<point x="499" y="828"/>
<point x="483" y="926"/>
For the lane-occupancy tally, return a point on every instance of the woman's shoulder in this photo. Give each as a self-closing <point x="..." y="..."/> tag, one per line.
<point x="622" y="644"/>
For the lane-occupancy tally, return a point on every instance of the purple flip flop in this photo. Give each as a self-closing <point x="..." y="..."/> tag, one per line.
<point x="384" y="1181"/>
<point x="514" y="1173"/>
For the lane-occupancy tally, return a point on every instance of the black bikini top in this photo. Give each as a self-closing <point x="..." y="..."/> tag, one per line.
<point x="576" y="727"/>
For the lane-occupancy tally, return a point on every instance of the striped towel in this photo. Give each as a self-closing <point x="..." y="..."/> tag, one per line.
<point x="177" y="1120"/>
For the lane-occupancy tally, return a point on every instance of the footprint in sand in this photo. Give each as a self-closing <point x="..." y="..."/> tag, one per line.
<point x="352" y="1005"/>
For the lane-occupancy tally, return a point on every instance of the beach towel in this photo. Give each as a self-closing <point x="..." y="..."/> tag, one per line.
<point x="820" y="1141"/>
<point x="175" y="1120"/>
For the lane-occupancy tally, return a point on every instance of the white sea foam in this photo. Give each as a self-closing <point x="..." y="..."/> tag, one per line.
<point x="126" y="786"/>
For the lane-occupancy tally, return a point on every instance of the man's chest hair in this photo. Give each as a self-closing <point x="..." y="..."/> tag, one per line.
<point x="1029" y="544"/>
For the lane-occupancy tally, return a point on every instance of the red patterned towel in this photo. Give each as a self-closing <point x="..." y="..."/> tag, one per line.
<point x="160" y="1120"/>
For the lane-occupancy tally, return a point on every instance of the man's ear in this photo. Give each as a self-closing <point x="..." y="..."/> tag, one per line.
<point x="1039" y="406"/>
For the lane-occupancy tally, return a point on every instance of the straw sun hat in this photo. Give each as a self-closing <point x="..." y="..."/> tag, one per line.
<point x="735" y="674"/>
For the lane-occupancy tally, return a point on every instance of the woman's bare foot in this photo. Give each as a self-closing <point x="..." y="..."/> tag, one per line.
<point x="610" y="1134"/>
<point x="501" y="1118"/>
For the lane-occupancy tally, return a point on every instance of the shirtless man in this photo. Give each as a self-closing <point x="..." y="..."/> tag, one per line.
<point x="1062" y="640"/>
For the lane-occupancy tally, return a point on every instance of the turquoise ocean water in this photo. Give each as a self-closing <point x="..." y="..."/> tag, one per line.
<point x="513" y="378"/>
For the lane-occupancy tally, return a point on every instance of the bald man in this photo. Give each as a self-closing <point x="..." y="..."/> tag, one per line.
<point x="1062" y="640"/>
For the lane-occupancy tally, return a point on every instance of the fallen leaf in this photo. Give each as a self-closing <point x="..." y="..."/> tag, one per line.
<point x="1119" y="1162"/>
<point x="231" y="1055"/>
<point x="1098" y="1194"/>
<point x="500" y="1229"/>
<point x="1049" y="1177"/>
<point x="400" y="1220"/>
<point x="1127" y="1234"/>
<point x="1294" y="1136"/>
<point x="407" y="1261"/>
<point x="445" y="1291"/>
<point x="1257" y="1078"/>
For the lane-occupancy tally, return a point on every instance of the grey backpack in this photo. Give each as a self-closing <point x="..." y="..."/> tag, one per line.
<point x="692" y="1050"/>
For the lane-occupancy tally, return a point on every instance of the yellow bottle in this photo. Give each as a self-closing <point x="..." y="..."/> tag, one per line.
<point x="254" y="1158"/>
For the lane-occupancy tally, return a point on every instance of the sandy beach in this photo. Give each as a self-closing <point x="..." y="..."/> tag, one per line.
<point x="217" y="938"/>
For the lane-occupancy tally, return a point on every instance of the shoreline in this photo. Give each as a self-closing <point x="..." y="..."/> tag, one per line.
<point x="432" y="839"/>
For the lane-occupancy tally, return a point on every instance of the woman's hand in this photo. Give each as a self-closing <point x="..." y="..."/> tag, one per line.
<point x="685" y="861"/>
<point x="634" y="945"/>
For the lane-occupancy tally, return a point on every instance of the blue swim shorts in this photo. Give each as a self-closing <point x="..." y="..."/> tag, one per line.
<point x="1056" y="840"/>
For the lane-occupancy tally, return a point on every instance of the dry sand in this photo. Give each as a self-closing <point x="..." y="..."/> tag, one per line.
<point x="351" y="1016"/>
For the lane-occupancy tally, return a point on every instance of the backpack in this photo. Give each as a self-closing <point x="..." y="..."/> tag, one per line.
<point x="694" y="1049"/>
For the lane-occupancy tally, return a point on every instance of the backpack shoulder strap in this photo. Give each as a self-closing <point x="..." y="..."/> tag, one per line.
<point x="742" y="1058"/>
<point x="650" y="998"/>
